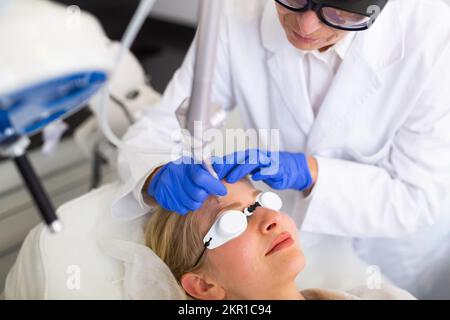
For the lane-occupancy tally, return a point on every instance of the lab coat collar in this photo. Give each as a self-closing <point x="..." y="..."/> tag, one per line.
<point x="283" y="62"/>
<point x="342" y="47"/>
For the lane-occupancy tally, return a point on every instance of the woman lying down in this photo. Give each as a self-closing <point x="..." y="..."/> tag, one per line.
<point x="238" y="247"/>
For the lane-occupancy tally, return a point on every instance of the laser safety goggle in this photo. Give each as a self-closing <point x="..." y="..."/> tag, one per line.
<point x="231" y="224"/>
<point x="351" y="15"/>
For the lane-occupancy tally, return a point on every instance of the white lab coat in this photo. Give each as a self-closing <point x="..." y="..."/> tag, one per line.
<point x="381" y="137"/>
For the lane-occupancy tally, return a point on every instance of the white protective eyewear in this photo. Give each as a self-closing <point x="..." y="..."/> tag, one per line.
<point x="230" y="224"/>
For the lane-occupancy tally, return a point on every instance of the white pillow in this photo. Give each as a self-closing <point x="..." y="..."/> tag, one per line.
<point x="95" y="257"/>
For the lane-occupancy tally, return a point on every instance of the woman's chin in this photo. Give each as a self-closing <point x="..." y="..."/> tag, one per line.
<point x="291" y="264"/>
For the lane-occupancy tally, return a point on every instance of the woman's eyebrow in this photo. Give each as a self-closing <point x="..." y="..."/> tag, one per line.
<point x="256" y="193"/>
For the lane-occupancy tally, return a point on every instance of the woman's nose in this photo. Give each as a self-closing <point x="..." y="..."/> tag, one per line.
<point x="268" y="220"/>
<point x="308" y="22"/>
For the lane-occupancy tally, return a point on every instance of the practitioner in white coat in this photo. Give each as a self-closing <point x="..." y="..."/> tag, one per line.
<point x="363" y="111"/>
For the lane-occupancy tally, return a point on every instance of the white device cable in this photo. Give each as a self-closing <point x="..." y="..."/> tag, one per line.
<point x="144" y="9"/>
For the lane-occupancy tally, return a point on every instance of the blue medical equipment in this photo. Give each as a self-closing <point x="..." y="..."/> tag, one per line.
<point x="53" y="60"/>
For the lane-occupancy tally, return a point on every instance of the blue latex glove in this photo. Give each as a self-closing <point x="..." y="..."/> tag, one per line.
<point x="183" y="186"/>
<point x="279" y="170"/>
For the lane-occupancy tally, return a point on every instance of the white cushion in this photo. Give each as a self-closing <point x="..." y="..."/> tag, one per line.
<point x="47" y="265"/>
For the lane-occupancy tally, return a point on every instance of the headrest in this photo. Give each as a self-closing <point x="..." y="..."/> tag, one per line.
<point x="94" y="257"/>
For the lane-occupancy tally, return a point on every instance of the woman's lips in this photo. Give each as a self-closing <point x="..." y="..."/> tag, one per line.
<point x="304" y="39"/>
<point x="282" y="241"/>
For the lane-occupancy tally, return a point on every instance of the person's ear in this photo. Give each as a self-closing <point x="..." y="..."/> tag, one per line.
<point x="202" y="288"/>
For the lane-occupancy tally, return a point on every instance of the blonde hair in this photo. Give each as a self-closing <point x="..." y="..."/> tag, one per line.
<point x="176" y="240"/>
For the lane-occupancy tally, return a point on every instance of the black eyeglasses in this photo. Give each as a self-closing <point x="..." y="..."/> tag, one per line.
<point x="339" y="14"/>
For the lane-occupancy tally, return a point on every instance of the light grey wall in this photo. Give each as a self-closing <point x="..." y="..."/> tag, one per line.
<point x="181" y="11"/>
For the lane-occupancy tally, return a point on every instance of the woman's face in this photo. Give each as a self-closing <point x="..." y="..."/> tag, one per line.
<point x="246" y="267"/>
<point x="306" y="32"/>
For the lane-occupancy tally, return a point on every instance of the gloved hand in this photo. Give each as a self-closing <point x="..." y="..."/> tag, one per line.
<point x="279" y="170"/>
<point x="183" y="186"/>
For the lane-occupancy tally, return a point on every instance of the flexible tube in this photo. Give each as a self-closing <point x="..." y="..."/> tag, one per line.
<point x="144" y="9"/>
